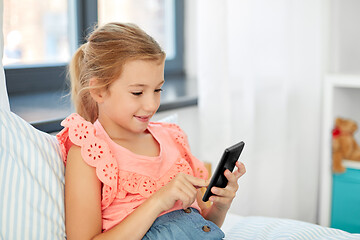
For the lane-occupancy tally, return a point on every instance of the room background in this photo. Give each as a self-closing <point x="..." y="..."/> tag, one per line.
<point x="259" y="67"/>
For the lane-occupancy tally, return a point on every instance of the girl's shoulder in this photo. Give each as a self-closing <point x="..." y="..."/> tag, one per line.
<point x="75" y="132"/>
<point x="94" y="151"/>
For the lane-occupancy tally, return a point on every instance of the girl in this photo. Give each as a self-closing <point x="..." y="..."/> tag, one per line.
<point x="127" y="177"/>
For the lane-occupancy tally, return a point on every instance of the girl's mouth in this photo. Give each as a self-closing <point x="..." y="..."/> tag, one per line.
<point x="143" y="118"/>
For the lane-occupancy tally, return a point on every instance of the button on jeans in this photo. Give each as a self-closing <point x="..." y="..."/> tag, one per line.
<point x="183" y="225"/>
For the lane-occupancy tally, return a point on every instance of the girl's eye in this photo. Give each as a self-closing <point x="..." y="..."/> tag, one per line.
<point x="136" y="93"/>
<point x="158" y="90"/>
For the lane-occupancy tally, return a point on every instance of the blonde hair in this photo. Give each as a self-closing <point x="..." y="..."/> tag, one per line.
<point x="102" y="57"/>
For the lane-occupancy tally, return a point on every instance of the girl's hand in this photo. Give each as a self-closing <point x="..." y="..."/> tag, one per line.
<point x="183" y="187"/>
<point x="225" y="196"/>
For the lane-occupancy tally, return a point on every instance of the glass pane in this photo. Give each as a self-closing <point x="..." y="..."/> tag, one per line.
<point x="37" y="32"/>
<point x="156" y="17"/>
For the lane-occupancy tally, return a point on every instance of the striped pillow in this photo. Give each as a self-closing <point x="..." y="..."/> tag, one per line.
<point x="31" y="182"/>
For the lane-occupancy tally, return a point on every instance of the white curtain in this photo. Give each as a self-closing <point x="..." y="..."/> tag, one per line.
<point x="260" y="71"/>
<point x="4" y="101"/>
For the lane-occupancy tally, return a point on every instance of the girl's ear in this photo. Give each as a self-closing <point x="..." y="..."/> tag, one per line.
<point x="95" y="93"/>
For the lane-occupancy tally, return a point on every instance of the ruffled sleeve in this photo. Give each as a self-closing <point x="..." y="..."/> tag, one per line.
<point x="94" y="151"/>
<point x="180" y="138"/>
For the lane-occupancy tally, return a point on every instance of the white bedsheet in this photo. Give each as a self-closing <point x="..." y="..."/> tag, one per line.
<point x="252" y="228"/>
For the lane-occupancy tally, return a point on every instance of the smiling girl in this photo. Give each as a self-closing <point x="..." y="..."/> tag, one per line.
<point x="127" y="177"/>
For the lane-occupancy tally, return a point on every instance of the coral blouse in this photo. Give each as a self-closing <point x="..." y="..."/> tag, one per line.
<point x="129" y="179"/>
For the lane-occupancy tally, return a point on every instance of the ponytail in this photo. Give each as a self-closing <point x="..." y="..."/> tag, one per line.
<point x="84" y="104"/>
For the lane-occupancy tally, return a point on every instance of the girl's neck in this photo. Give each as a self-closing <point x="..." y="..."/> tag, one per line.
<point x="142" y="143"/>
<point x="145" y="146"/>
<point x="118" y="133"/>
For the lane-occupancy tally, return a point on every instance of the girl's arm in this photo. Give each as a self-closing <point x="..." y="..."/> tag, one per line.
<point x="224" y="196"/>
<point x="83" y="202"/>
<point x="82" y="198"/>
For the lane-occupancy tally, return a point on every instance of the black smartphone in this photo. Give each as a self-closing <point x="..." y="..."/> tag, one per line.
<point x="227" y="161"/>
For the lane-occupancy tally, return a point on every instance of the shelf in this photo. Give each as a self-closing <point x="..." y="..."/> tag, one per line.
<point x="344" y="80"/>
<point x="340" y="99"/>
<point x="351" y="164"/>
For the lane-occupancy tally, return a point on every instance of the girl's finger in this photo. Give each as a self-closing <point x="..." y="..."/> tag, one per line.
<point x="184" y="184"/>
<point x="231" y="177"/>
<point x="187" y="186"/>
<point x="197" y="182"/>
<point x="232" y="180"/>
<point x="241" y="170"/>
<point x="221" y="200"/>
<point x="187" y="200"/>
<point x="223" y="192"/>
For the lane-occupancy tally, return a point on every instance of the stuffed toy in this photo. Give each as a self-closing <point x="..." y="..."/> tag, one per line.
<point x="344" y="145"/>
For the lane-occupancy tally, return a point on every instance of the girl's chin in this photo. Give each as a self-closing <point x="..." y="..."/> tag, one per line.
<point x="141" y="126"/>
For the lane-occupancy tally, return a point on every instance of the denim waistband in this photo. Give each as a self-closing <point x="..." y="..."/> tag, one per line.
<point x="185" y="224"/>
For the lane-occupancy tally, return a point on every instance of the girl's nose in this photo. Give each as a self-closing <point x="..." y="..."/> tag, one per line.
<point x="151" y="104"/>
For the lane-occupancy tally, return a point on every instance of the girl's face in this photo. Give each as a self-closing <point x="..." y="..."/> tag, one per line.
<point x="131" y="100"/>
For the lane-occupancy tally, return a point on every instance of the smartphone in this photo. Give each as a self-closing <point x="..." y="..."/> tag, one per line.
<point x="227" y="161"/>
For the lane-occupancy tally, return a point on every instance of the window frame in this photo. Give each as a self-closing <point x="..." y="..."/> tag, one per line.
<point x="25" y="79"/>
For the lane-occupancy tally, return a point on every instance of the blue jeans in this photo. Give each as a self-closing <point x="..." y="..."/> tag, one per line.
<point x="185" y="225"/>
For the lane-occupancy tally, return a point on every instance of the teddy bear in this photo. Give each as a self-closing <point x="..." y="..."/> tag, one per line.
<point x="344" y="145"/>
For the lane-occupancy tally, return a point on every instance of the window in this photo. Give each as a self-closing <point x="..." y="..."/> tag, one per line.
<point x="38" y="43"/>
<point x="162" y="19"/>
<point x="40" y="36"/>
<point x="156" y="17"/>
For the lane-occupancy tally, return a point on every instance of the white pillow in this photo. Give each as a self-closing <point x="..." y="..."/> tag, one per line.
<point x="4" y="101"/>
<point x="31" y="182"/>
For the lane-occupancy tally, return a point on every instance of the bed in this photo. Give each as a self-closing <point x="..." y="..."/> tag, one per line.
<point x="32" y="199"/>
<point x="258" y="227"/>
